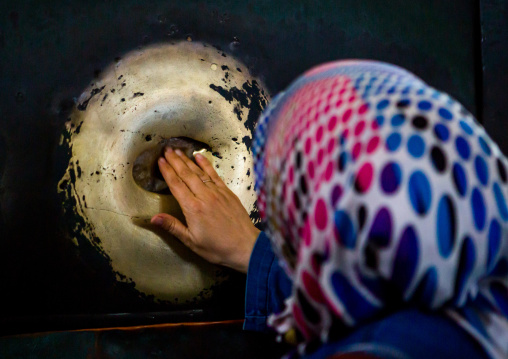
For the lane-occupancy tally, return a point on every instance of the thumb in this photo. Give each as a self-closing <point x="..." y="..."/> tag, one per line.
<point x="173" y="226"/>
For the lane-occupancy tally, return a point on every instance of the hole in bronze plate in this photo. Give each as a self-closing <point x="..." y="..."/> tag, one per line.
<point x="146" y="171"/>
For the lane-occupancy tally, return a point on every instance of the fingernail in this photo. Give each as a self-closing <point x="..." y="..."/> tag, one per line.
<point x="199" y="156"/>
<point x="178" y="152"/>
<point x="158" y="221"/>
<point x="169" y="150"/>
<point x="162" y="160"/>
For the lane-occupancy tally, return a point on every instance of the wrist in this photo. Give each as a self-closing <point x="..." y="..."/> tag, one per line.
<point x="243" y="254"/>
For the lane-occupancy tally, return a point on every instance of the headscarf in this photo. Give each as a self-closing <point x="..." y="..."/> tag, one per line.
<point x="379" y="191"/>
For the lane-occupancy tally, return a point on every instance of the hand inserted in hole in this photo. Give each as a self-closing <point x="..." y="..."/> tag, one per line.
<point x="218" y="228"/>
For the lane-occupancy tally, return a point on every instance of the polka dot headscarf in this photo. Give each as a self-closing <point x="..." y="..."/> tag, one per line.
<point x="377" y="190"/>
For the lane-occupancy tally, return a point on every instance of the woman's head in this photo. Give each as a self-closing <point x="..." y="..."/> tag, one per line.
<point x="310" y="135"/>
<point x="372" y="185"/>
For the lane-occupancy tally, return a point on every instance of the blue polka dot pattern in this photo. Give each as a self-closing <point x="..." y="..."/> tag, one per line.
<point x="336" y="194"/>
<point x="446" y="226"/>
<point x="466" y="265"/>
<point x="426" y="289"/>
<point x="459" y="179"/>
<point x="483" y="144"/>
<point x="482" y="172"/>
<point x="441" y="132"/>
<point x="346" y="233"/>
<point x="393" y="141"/>
<point x="382" y="104"/>
<point x="426" y="222"/>
<point x="391" y="176"/>
<point x="406" y="260"/>
<point x="343" y="161"/>
<point x="494" y="243"/>
<point x="462" y="147"/>
<point x="424" y="105"/>
<point x="356" y="303"/>
<point x="500" y="202"/>
<point x="445" y="113"/>
<point x="419" y="192"/>
<point x="380" y="120"/>
<point x="467" y="129"/>
<point x="398" y="120"/>
<point x="343" y="139"/>
<point x="478" y="208"/>
<point x="380" y="232"/>
<point x="416" y="146"/>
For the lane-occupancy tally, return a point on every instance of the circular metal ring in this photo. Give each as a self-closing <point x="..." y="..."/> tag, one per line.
<point x="185" y="89"/>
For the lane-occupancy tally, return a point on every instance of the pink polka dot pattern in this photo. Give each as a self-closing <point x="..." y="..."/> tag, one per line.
<point x="360" y="126"/>
<point x="332" y="122"/>
<point x="312" y="287"/>
<point x="365" y="172"/>
<point x="364" y="178"/>
<point x="331" y="145"/>
<point x="372" y="144"/>
<point x="321" y="215"/>
<point x="357" y="150"/>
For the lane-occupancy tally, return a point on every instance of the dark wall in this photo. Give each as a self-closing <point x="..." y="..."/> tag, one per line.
<point x="494" y="24"/>
<point x="50" y="50"/>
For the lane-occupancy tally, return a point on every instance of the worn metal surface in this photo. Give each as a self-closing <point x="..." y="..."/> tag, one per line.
<point x="185" y="89"/>
<point x="50" y="49"/>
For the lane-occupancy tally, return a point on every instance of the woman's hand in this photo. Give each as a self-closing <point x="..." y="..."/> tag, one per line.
<point x="218" y="226"/>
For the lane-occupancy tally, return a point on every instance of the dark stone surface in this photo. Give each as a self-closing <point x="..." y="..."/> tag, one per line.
<point x="50" y="50"/>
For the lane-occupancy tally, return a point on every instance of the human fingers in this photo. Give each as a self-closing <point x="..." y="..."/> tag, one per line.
<point x="176" y="185"/>
<point x="207" y="167"/>
<point x="193" y="166"/>
<point x="191" y="179"/>
<point x="173" y="226"/>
